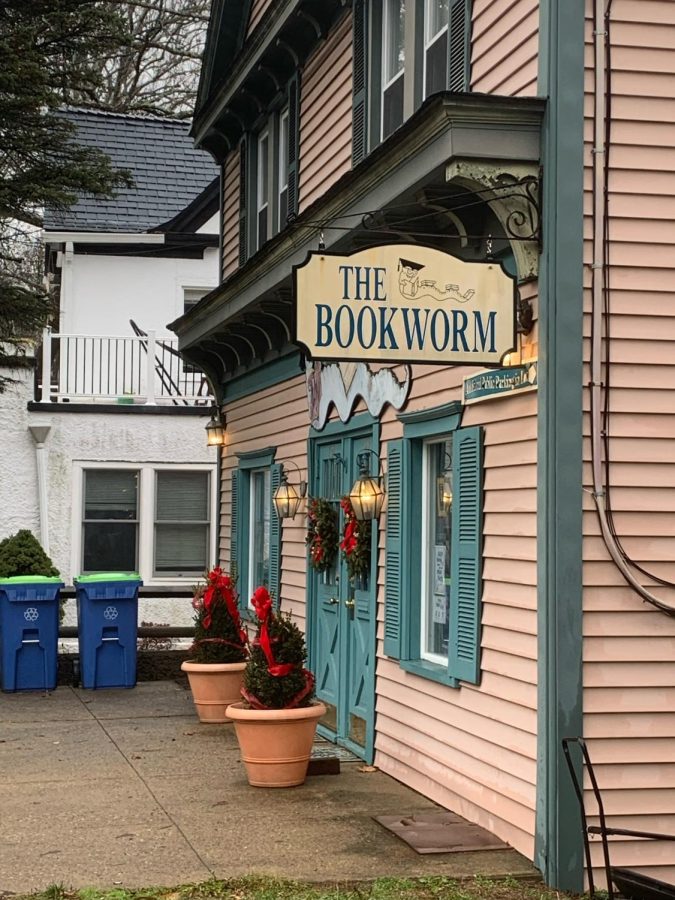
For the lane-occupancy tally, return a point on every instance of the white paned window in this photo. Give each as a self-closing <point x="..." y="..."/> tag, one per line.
<point x="110" y="521"/>
<point x="259" y="529"/>
<point x="282" y="155"/>
<point x="182" y="525"/>
<point x="436" y="535"/>
<point x="436" y="24"/>
<point x="393" y="65"/>
<point x="153" y="519"/>
<point x="263" y="187"/>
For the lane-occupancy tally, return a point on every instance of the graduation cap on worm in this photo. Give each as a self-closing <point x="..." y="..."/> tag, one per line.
<point x="409" y="264"/>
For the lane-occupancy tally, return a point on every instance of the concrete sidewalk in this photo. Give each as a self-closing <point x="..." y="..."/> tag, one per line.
<point x="127" y="788"/>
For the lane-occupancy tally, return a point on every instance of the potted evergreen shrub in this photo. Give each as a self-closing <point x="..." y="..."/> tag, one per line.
<point x="276" y="722"/>
<point x="219" y="650"/>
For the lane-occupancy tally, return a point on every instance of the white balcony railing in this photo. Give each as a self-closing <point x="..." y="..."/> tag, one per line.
<point x="141" y="369"/>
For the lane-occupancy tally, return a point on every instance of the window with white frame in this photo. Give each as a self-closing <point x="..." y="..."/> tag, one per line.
<point x="393" y="65"/>
<point x="436" y="550"/>
<point x="110" y="520"/>
<point x="282" y="156"/>
<point x="151" y="519"/>
<point x="404" y="51"/>
<point x="436" y="21"/>
<point x="262" y="187"/>
<point x="260" y="505"/>
<point x="182" y="523"/>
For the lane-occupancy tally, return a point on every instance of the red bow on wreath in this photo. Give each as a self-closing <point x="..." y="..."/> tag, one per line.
<point x="262" y="604"/>
<point x="350" y="538"/>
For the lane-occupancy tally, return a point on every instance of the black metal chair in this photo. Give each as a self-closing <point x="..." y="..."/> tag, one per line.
<point x="628" y="882"/>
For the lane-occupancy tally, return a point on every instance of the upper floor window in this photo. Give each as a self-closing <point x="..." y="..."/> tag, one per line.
<point x="435" y="46"/>
<point x="282" y="156"/>
<point x="404" y="51"/>
<point x="262" y="187"/>
<point x="393" y="65"/>
<point x="268" y="176"/>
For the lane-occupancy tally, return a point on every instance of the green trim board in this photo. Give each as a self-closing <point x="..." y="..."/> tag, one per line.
<point x="558" y="834"/>
<point x="263" y="376"/>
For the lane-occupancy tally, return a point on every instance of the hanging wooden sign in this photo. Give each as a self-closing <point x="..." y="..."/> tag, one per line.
<point x="404" y="303"/>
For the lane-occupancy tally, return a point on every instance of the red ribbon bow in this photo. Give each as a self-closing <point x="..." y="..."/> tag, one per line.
<point x="262" y="604"/>
<point x="221" y="584"/>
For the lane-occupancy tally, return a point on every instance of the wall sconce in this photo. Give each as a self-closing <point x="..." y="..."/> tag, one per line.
<point x="286" y="498"/>
<point x="215" y="430"/>
<point x="367" y="494"/>
<point x="444" y="487"/>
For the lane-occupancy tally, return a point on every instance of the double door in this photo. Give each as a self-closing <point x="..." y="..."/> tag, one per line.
<point x="342" y="611"/>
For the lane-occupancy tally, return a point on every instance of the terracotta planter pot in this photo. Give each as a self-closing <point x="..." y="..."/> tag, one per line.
<point x="276" y="744"/>
<point x="214" y="687"/>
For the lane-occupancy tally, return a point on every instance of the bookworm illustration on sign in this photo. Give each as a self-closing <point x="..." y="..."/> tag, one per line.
<point x="412" y="288"/>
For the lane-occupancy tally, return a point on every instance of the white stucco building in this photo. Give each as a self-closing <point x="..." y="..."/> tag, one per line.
<point x="104" y="450"/>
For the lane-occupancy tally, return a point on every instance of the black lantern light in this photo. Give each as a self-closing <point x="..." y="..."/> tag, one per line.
<point x="367" y="493"/>
<point x="286" y="497"/>
<point x="215" y="430"/>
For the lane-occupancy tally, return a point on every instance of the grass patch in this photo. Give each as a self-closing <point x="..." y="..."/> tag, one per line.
<point x="254" y="887"/>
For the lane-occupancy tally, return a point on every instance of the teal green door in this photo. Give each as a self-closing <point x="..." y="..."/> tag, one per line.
<point x="342" y="614"/>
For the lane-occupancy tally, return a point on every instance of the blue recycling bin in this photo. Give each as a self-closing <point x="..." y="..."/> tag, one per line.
<point x="107" y="616"/>
<point x="29" y="632"/>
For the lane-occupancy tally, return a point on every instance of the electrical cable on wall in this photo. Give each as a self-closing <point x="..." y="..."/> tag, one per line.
<point x="601" y="316"/>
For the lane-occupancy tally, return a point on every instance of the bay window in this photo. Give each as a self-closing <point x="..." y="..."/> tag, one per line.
<point x="436" y="24"/>
<point x="393" y="65"/>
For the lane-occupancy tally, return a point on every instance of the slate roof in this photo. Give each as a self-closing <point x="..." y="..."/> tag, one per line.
<point x="168" y="172"/>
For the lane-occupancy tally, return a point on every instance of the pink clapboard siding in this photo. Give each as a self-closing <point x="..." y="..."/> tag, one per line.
<point x="230" y="213"/>
<point x="258" y="10"/>
<point x="326" y="115"/>
<point x="275" y="417"/>
<point x="629" y="648"/>
<point x="473" y="749"/>
<point x="504" y="47"/>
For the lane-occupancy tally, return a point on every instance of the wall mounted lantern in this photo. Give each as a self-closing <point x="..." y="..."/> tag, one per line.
<point x="286" y="497"/>
<point x="215" y="430"/>
<point x="367" y="494"/>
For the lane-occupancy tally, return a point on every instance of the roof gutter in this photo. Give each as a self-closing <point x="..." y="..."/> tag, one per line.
<point x="102" y="237"/>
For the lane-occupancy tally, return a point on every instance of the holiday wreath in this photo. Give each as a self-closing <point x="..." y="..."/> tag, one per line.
<point x="355" y="544"/>
<point x="322" y="534"/>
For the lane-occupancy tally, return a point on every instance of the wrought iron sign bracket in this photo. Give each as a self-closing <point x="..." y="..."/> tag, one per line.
<point x="512" y="190"/>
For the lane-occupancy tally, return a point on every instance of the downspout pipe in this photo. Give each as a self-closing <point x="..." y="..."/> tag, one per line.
<point x="599" y="264"/>
<point x="40" y="433"/>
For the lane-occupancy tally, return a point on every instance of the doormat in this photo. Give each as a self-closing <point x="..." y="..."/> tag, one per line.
<point x="323" y="749"/>
<point x="440" y="832"/>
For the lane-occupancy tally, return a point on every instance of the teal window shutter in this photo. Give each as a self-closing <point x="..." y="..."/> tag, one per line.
<point x="243" y="200"/>
<point x="360" y="82"/>
<point x="275" y="538"/>
<point x="293" y="144"/>
<point x="234" y="524"/>
<point x="459" y="45"/>
<point x="467" y="552"/>
<point x="395" y="548"/>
